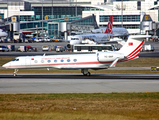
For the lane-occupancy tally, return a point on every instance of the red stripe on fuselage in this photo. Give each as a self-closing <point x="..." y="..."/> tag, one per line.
<point x="76" y="63"/>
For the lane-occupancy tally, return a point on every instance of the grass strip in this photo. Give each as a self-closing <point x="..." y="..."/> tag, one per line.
<point x="80" y="106"/>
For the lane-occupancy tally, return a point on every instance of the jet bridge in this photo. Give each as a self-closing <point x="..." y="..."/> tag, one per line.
<point x="75" y="27"/>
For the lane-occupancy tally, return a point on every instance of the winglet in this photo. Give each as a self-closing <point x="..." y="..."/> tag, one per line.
<point x="109" y="26"/>
<point x="114" y="63"/>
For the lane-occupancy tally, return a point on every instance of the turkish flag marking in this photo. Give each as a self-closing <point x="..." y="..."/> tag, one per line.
<point x="130" y="43"/>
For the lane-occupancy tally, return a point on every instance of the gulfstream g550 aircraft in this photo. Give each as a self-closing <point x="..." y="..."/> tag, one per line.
<point x="99" y="60"/>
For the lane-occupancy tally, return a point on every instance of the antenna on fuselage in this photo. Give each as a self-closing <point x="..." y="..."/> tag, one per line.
<point x="44" y="54"/>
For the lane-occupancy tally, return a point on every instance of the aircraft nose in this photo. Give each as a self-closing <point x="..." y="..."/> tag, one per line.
<point x="4" y="34"/>
<point x="7" y="65"/>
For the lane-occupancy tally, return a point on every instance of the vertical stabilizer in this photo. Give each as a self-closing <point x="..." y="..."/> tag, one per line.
<point x="133" y="46"/>
<point x="109" y="26"/>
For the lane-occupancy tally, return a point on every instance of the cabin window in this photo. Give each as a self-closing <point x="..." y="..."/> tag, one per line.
<point x="49" y="61"/>
<point x="42" y="61"/>
<point x="17" y="59"/>
<point x="68" y="60"/>
<point x="74" y="38"/>
<point x="55" y="60"/>
<point x="36" y="61"/>
<point x="75" y="60"/>
<point x="62" y="60"/>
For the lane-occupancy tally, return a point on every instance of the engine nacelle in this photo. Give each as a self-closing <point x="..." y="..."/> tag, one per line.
<point x="107" y="57"/>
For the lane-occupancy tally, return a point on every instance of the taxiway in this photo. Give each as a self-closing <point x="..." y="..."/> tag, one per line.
<point x="77" y="83"/>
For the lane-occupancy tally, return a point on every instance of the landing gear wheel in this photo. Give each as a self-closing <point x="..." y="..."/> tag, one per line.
<point x="85" y="72"/>
<point x="14" y="74"/>
<point x="88" y="74"/>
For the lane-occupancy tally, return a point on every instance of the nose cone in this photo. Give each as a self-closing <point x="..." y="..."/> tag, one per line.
<point x="7" y="65"/>
<point x="4" y="34"/>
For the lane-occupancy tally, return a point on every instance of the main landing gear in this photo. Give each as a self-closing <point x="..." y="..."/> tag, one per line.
<point x="85" y="72"/>
<point x="15" y="72"/>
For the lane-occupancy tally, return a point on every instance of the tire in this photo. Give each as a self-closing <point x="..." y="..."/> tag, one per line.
<point x="87" y="74"/>
<point x="14" y="74"/>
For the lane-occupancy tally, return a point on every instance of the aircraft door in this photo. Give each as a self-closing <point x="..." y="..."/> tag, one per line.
<point x="98" y="56"/>
<point x="27" y="62"/>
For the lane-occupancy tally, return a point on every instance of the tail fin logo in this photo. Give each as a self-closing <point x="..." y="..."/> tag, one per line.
<point x="110" y="25"/>
<point x="135" y="53"/>
<point x="130" y="43"/>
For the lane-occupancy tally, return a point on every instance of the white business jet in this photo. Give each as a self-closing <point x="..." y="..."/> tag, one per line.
<point x="99" y="60"/>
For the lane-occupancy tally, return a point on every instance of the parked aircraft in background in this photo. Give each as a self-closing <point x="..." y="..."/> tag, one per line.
<point x="115" y="31"/>
<point x="99" y="60"/>
<point x="2" y="33"/>
<point x="101" y="38"/>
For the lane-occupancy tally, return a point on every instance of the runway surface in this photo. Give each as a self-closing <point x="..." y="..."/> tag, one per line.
<point x="77" y="83"/>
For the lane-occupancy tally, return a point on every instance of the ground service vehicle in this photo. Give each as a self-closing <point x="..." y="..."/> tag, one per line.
<point x="93" y="48"/>
<point x="4" y="49"/>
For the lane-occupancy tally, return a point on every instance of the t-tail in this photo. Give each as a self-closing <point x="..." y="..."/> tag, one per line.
<point x="132" y="47"/>
<point x="109" y="26"/>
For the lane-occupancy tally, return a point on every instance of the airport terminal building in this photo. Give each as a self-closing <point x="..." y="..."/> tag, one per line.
<point x="62" y="17"/>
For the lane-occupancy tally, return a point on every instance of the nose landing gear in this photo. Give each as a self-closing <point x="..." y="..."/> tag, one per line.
<point x="15" y="72"/>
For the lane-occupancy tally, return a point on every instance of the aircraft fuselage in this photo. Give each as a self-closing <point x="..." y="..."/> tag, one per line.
<point x="75" y="61"/>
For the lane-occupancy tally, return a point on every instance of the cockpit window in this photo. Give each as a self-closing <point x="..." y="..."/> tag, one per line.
<point x="15" y="59"/>
<point x="74" y="38"/>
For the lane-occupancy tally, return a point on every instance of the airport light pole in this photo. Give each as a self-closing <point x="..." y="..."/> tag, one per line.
<point x="52" y="10"/>
<point x="76" y="8"/>
<point x="121" y="13"/>
<point x="7" y="11"/>
<point x="52" y="18"/>
<point x="42" y="18"/>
